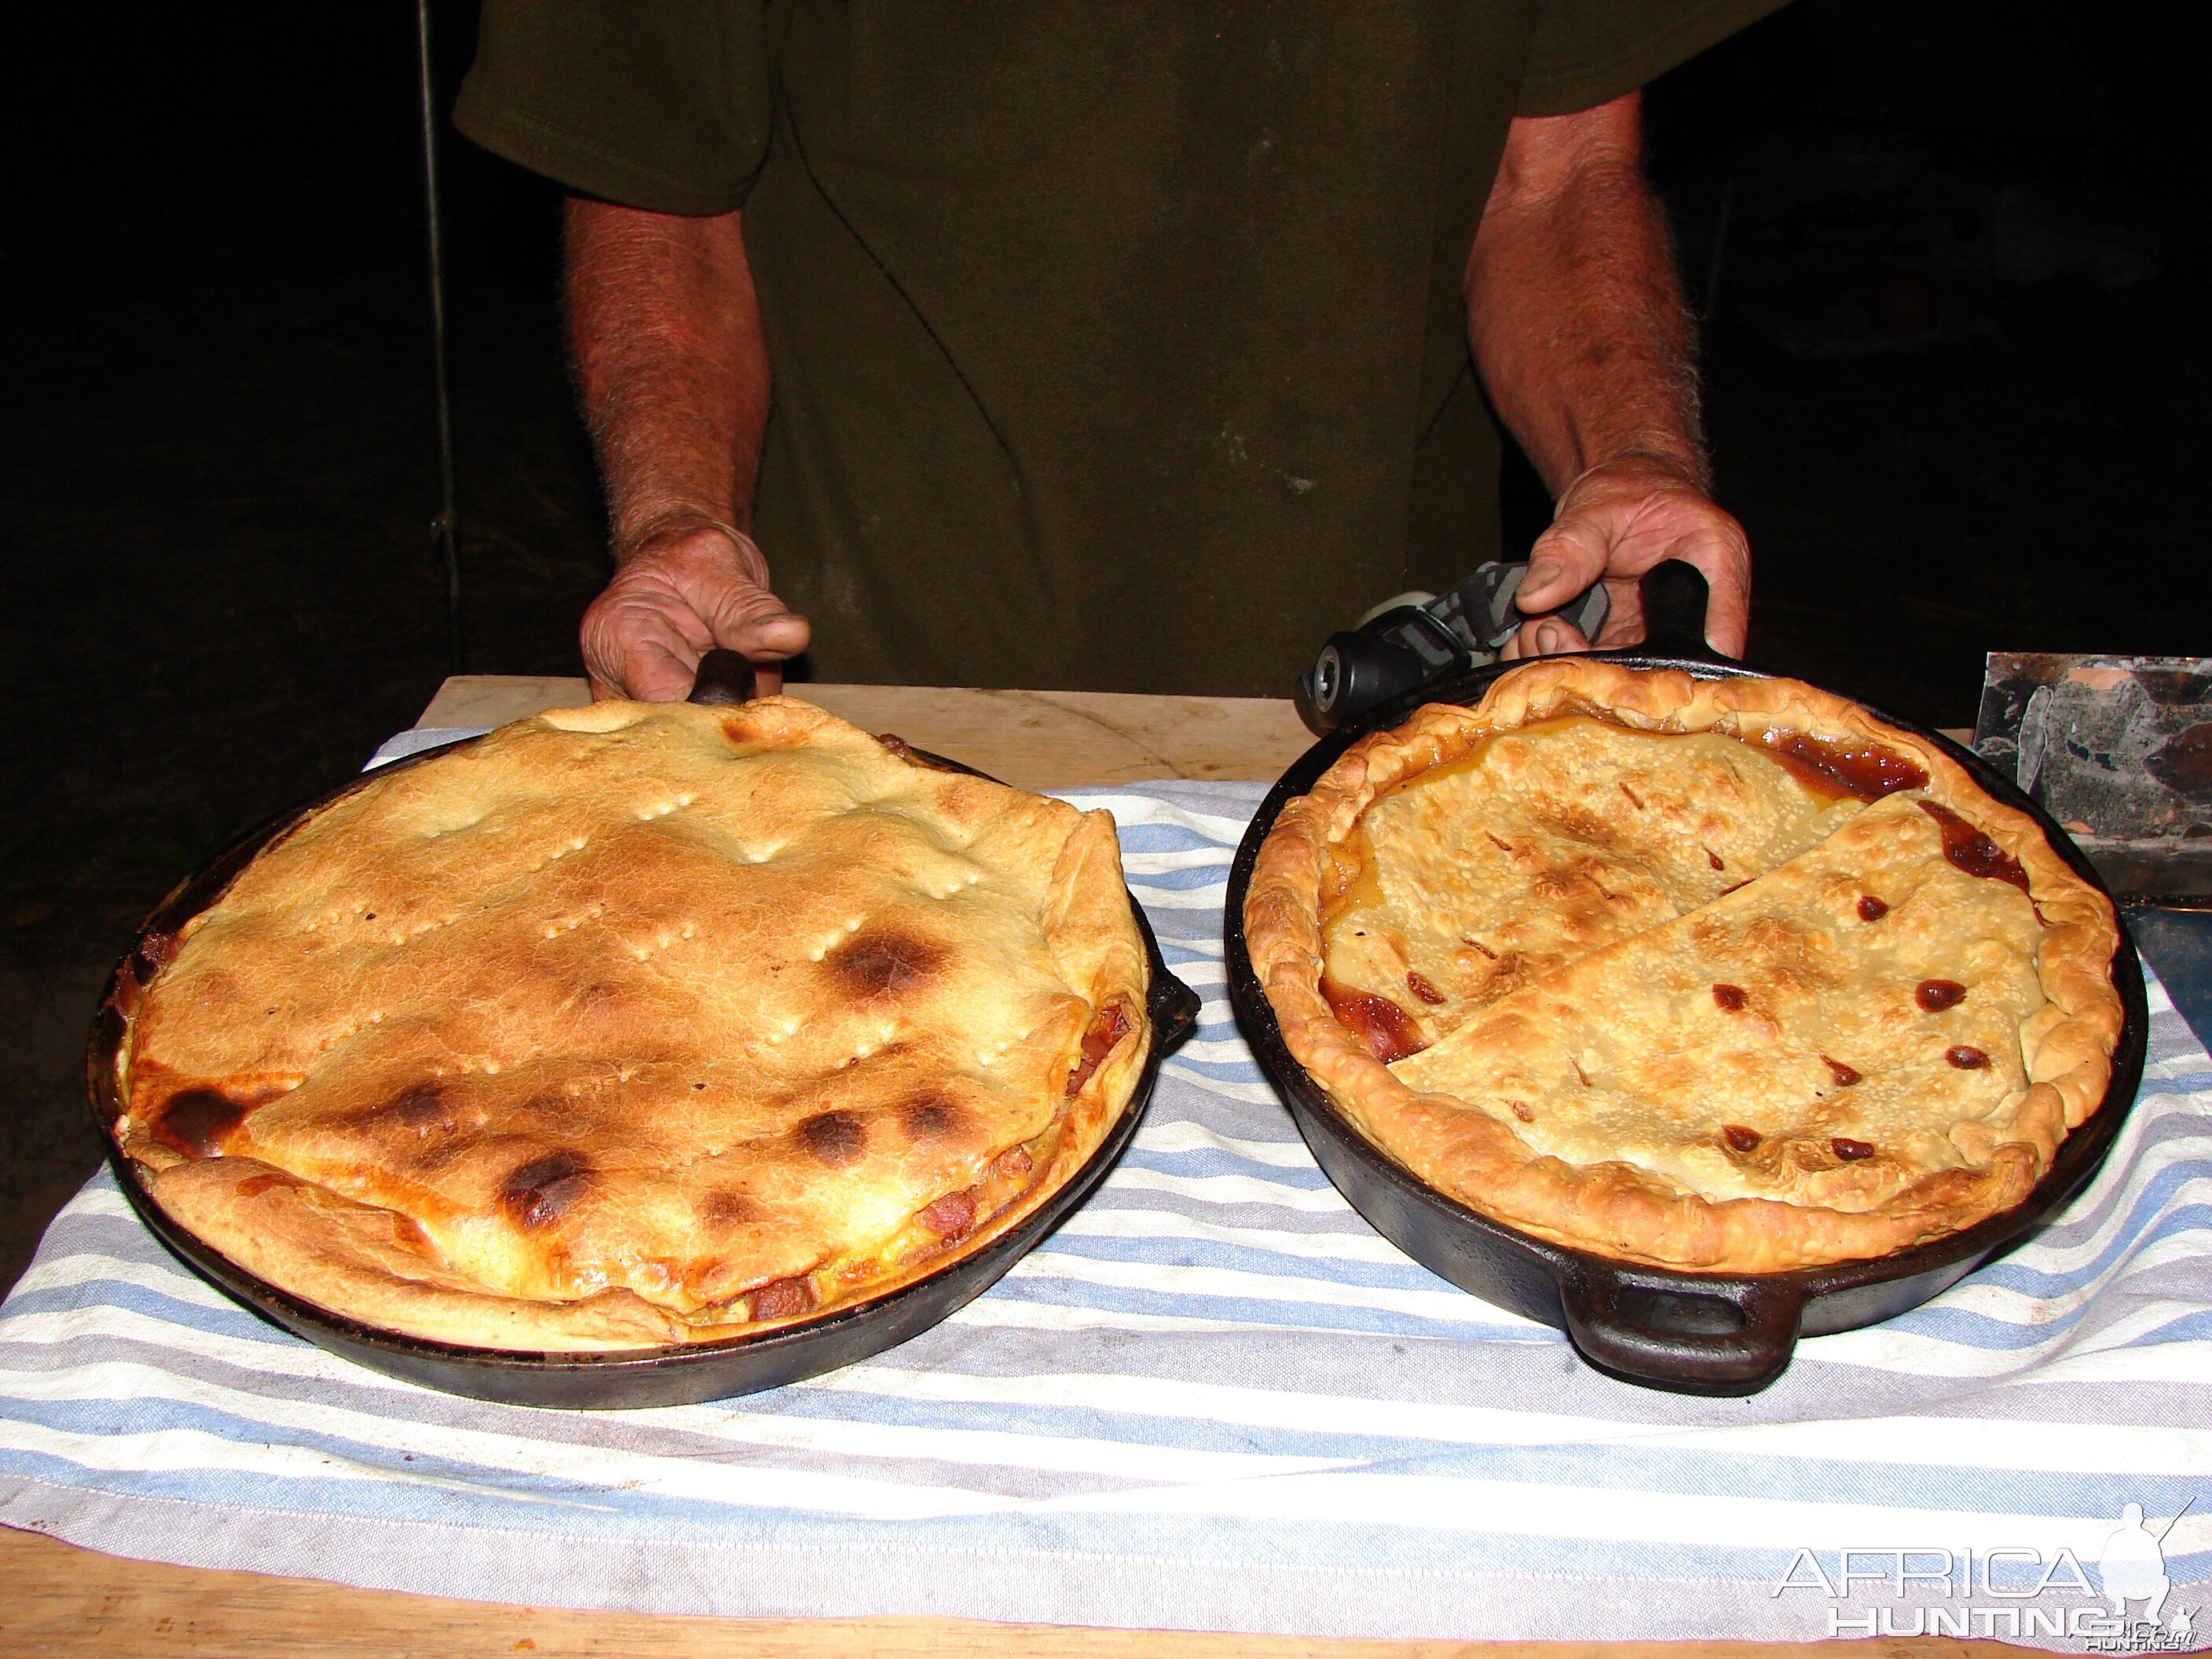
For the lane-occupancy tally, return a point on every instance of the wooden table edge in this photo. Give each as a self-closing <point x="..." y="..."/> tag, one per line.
<point x="1035" y="739"/>
<point x="61" y="1598"/>
<point x="494" y="699"/>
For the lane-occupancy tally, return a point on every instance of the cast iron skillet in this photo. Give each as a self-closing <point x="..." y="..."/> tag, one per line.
<point x="648" y="1376"/>
<point x="1692" y="1333"/>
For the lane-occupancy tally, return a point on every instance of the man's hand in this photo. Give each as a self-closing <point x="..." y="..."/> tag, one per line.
<point x="665" y="331"/>
<point x="1587" y="350"/>
<point x="1614" y="523"/>
<point x="687" y="586"/>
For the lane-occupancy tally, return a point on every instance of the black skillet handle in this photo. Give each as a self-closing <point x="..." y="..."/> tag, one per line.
<point x="1732" y="1338"/>
<point x="1674" y="595"/>
<point x="723" y="677"/>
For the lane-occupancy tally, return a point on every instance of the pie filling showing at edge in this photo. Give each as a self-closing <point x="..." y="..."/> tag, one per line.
<point x="1720" y="974"/>
<point x="637" y="1025"/>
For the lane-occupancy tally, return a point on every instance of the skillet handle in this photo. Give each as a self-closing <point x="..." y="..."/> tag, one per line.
<point x="722" y="677"/>
<point x="1675" y="594"/>
<point x="1731" y="1336"/>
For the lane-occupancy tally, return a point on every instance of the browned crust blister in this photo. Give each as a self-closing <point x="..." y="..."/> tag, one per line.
<point x="1612" y="1206"/>
<point x="638" y="1025"/>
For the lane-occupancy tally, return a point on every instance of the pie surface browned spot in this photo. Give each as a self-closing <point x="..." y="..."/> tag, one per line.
<point x="1726" y="974"/>
<point x="639" y="1024"/>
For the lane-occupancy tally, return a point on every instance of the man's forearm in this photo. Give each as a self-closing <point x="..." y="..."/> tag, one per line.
<point x="1584" y="345"/>
<point x="1574" y="310"/>
<point x="664" y="335"/>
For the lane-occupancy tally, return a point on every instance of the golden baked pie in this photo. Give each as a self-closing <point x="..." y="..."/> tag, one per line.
<point x="638" y="1024"/>
<point x="1707" y="973"/>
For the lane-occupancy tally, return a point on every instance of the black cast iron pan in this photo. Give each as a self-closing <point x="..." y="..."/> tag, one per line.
<point x="652" y="1377"/>
<point x="1692" y="1333"/>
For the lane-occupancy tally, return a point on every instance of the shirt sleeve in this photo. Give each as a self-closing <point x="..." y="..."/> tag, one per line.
<point x="1588" y="52"/>
<point x="664" y="105"/>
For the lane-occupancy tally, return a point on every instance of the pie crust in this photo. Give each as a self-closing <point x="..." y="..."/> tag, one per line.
<point x="638" y="1024"/>
<point x="1722" y="973"/>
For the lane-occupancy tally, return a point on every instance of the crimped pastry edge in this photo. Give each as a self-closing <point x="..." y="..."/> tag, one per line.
<point x="304" y="1239"/>
<point x="1615" y="1208"/>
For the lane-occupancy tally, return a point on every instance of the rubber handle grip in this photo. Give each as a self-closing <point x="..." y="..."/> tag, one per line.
<point x="1674" y="596"/>
<point x="723" y="677"/>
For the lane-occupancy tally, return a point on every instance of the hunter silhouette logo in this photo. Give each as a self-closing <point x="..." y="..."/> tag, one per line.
<point x="2132" y="1567"/>
<point x="2132" y="1564"/>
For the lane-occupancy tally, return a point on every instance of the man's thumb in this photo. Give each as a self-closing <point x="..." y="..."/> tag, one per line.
<point x="761" y="626"/>
<point x="1565" y="559"/>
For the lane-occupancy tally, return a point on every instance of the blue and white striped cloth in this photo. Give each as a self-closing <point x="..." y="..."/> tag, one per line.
<point x="1215" y="1398"/>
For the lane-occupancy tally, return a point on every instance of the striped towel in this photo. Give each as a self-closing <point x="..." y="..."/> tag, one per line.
<point x="1215" y="1398"/>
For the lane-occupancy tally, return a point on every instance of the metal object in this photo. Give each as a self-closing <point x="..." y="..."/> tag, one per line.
<point x="1691" y="1332"/>
<point x="1419" y="638"/>
<point x="2119" y="749"/>
<point x="445" y="528"/>
<point x="652" y="1376"/>
<point x="1711" y="295"/>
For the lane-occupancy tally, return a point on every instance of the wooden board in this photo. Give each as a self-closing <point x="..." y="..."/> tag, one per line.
<point x="1037" y="739"/>
<point x="495" y="699"/>
<point x="58" y="1599"/>
<point x="55" y="1599"/>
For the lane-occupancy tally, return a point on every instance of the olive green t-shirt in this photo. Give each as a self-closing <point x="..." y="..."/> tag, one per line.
<point x="1117" y="344"/>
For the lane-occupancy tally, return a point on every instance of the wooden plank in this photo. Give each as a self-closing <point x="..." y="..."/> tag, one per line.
<point x="1057" y="739"/>
<point x="1037" y="739"/>
<point x="495" y="699"/>
<point x="57" y="1599"/>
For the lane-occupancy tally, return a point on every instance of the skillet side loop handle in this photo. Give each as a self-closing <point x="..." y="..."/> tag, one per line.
<point x="723" y="677"/>
<point x="1176" y="1015"/>
<point x="1668" y="1339"/>
<point x="1675" y="594"/>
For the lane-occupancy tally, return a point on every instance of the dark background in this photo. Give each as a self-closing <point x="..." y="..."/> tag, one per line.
<point x="1954" y="362"/>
